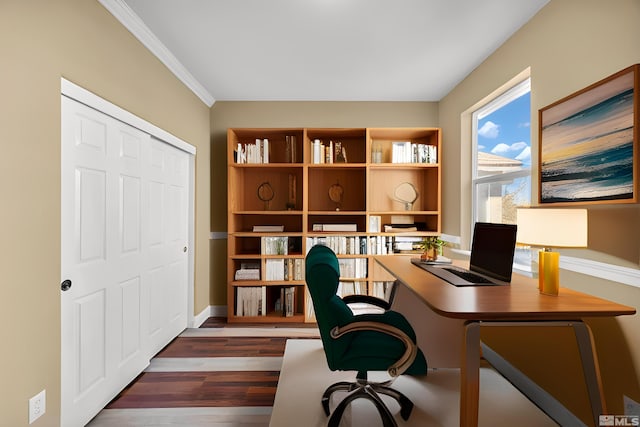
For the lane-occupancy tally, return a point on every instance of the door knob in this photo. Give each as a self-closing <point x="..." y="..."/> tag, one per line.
<point x="184" y="249"/>
<point x="65" y="285"/>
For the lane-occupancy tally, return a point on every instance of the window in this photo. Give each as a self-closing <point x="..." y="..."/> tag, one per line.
<point x="501" y="176"/>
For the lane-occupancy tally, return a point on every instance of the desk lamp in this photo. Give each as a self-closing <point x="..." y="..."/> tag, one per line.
<point x="547" y="228"/>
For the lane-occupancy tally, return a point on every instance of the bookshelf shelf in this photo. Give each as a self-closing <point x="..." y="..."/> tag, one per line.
<point x="330" y="186"/>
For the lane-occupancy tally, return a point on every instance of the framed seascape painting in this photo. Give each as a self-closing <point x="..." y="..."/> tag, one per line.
<point x="589" y="143"/>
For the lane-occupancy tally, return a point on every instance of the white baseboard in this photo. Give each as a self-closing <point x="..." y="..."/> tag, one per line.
<point x="210" y="311"/>
<point x="218" y="310"/>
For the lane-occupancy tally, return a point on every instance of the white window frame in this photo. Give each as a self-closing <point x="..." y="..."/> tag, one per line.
<point x="496" y="103"/>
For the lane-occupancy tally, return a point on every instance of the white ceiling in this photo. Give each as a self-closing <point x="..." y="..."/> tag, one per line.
<point x="323" y="50"/>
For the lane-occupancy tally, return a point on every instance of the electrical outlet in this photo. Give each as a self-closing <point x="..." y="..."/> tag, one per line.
<point x="37" y="406"/>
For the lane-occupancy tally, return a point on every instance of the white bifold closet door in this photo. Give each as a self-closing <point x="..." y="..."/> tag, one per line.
<point x="125" y="232"/>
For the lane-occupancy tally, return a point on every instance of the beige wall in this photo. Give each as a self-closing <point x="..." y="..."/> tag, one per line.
<point x="569" y="44"/>
<point x="40" y="42"/>
<point x="291" y="114"/>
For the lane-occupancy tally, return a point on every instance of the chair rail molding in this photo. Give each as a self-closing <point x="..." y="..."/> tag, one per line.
<point x="615" y="273"/>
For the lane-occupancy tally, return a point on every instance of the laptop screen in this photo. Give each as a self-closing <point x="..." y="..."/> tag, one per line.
<point x="492" y="250"/>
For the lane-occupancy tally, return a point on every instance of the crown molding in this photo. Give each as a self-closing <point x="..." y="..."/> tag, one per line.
<point x="132" y="22"/>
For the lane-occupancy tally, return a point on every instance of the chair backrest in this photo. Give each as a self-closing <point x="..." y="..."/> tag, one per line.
<point x="322" y="273"/>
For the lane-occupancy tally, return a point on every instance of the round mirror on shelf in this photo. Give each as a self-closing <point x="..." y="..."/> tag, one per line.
<point x="266" y="194"/>
<point x="336" y="193"/>
<point x="406" y="194"/>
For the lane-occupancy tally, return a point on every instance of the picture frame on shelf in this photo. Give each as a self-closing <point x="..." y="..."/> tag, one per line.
<point x="588" y="148"/>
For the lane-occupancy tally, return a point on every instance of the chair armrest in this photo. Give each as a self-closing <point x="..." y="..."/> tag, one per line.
<point x="379" y="302"/>
<point x="368" y="299"/>
<point x="411" y="349"/>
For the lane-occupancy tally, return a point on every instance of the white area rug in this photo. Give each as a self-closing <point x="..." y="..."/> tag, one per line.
<point x="305" y="376"/>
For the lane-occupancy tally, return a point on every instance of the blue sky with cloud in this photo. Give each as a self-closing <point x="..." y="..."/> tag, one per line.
<point x="507" y="132"/>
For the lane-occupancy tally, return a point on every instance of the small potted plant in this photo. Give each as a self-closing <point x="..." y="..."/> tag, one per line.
<point x="431" y="248"/>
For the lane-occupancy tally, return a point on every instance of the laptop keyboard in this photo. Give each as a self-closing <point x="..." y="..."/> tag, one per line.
<point x="468" y="276"/>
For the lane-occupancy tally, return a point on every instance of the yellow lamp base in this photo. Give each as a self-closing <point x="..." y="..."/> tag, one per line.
<point x="549" y="272"/>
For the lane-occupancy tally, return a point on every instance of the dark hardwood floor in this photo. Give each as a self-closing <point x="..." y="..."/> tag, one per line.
<point x="211" y="389"/>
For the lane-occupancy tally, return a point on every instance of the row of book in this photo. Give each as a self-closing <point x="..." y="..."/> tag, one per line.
<point x="284" y="269"/>
<point x="332" y="152"/>
<point x="341" y="245"/>
<point x="252" y="301"/>
<point x="408" y="152"/>
<point x="327" y="153"/>
<point x="286" y="304"/>
<point x="277" y="269"/>
<point x="363" y="245"/>
<point x="355" y="268"/>
<point x="380" y="290"/>
<point x="257" y="152"/>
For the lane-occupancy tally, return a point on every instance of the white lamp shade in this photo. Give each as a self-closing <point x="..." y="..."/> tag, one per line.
<point x="557" y="228"/>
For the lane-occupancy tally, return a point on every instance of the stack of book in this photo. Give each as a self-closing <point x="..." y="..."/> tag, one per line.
<point x="407" y="244"/>
<point x="268" y="228"/>
<point x="335" y="227"/>
<point x="248" y="271"/>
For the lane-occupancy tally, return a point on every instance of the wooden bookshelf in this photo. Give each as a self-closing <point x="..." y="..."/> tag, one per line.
<point x="304" y="179"/>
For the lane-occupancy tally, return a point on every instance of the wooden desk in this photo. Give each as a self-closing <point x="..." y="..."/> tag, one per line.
<point x="519" y="304"/>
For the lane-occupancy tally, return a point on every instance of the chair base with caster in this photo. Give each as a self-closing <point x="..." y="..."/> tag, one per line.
<point x="362" y="388"/>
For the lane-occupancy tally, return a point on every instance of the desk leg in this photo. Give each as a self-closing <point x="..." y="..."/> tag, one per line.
<point x="470" y="376"/>
<point x="590" y="369"/>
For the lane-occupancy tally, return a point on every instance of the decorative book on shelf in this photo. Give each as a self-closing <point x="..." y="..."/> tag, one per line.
<point x="248" y="271"/>
<point x="328" y="152"/>
<point x="268" y="228"/>
<point x="335" y="227"/>
<point x="408" y="152"/>
<point x="354" y="245"/>
<point x="277" y="245"/>
<point x="251" y="301"/>
<point x="404" y="228"/>
<point x="286" y="304"/>
<point x="257" y="152"/>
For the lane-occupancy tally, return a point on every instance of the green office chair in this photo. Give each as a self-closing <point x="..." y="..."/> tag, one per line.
<point x="362" y="343"/>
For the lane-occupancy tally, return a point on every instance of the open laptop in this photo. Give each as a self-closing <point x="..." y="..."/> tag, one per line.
<point x="491" y="263"/>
